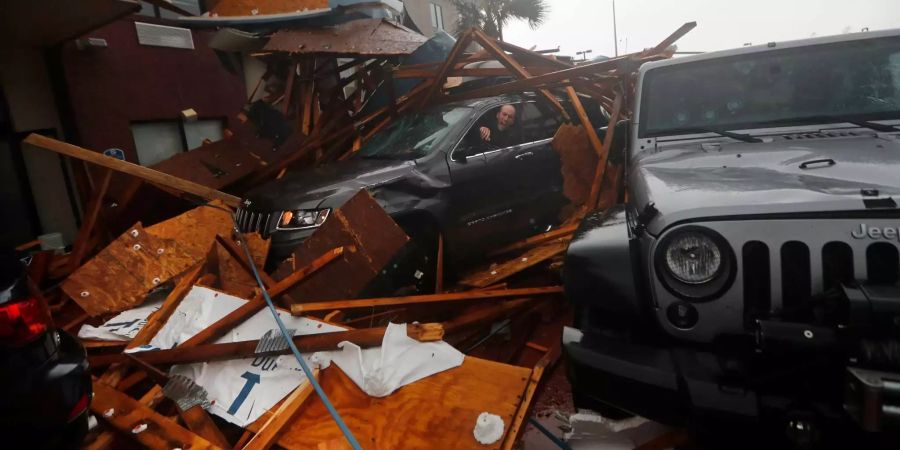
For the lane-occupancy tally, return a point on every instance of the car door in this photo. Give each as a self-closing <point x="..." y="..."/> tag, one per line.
<point x="481" y="190"/>
<point x="530" y="175"/>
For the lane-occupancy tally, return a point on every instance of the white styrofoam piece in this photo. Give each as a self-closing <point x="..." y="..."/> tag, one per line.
<point x="488" y="428"/>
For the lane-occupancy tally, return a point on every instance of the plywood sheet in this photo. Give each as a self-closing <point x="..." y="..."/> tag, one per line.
<point x="256" y="7"/>
<point x="438" y="412"/>
<point x="120" y="276"/>
<point x="361" y="223"/>
<point x="366" y="37"/>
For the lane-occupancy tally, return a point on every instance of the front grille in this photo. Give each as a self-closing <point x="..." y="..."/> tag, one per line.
<point x="798" y="277"/>
<point x="253" y="221"/>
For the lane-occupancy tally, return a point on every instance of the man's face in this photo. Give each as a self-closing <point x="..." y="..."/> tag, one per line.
<point x="506" y="117"/>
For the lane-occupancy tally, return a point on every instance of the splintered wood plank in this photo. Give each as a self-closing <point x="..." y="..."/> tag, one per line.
<point x="120" y="276"/>
<point x="360" y="223"/>
<point x="92" y="213"/>
<point x="304" y="308"/>
<point x="159" y="318"/>
<point x="437" y="412"/>
<point x="153" y="176"/>
<point x="129" y="415"/>
<point x="577" y="160"/>
<point x="560" y="234"/>
<point x="524" y="410"/>
<point x="495" y="274"/>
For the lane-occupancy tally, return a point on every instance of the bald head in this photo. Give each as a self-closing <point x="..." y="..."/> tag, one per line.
<point x="506" y="117"/>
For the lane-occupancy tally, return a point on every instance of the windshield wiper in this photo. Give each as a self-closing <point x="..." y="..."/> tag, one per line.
<point x="880" y="127"/>
<point x="736" y="136"/>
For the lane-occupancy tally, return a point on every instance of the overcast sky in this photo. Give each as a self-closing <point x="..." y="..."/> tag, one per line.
<point x="576" y="25"/>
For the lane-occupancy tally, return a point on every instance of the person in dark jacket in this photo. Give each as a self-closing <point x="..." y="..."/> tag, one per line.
<point x="499" y="133"/>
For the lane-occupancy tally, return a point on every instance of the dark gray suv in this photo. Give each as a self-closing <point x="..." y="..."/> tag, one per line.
<point x="430" y="171"/>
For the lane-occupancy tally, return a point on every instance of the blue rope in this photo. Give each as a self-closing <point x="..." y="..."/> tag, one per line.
<point x="290" y="340"/>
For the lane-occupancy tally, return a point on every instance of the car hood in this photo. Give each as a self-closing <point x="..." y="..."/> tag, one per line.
<point x="728" y="179"/>
<point x="313" y="187"/>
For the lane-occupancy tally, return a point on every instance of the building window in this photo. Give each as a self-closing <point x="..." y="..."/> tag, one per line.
<point x="161" y="140"/>
<point x="437" y="17"/>
<point x="194" y="7"/>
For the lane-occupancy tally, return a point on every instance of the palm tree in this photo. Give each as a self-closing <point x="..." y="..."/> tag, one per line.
<point x="492" y="15"/>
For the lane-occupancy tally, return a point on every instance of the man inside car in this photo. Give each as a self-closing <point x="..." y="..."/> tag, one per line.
<point x="499" y="133"/>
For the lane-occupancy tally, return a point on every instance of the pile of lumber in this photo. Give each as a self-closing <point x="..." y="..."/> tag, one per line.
<point x="505" y="314"/>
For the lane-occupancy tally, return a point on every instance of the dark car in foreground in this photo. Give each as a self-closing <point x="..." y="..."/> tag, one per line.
<point x="45" y="386"/>
<point x="430" y="172"/>
<point x="752" y="276"/>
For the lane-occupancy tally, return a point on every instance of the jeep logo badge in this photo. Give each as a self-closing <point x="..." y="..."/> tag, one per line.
<point x="866" y="232"/>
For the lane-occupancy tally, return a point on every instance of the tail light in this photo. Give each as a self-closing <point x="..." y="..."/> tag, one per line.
<point x="79" y="407"/>
<point x="23" y="321"/>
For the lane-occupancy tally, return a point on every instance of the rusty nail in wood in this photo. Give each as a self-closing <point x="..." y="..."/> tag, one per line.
<point x="136" y="247"/>
<point x="135" y="233"/>
<point x="85" y="293"/>
<point x="109" y="412"/>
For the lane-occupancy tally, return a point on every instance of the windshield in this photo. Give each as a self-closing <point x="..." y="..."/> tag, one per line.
<point x="858" y="80"/>
<point x="416" y="135"/>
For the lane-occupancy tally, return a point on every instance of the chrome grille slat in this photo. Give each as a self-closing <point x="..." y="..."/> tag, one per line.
<point x="253" y="221"/>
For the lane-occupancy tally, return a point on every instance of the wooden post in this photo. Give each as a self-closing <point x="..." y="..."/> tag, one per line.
<point x="153" y="176"/>
<point x="607" y="143"/>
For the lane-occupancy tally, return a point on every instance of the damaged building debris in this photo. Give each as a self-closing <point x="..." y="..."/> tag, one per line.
<point x="176" y="313"/>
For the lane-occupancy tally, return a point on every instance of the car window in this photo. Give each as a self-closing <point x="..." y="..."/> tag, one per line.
<point x="538" y="122"/>
<point x="474" y="143"/>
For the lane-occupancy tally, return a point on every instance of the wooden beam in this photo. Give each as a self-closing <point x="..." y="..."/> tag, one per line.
<point x="490" y="44"/>
<point x="559" y="233"/>
<point x="367" y="337"/>
<point x="92" y="212"/>
<point x="141" y="423"/>
<point x="269" y="432"/>
<point x="604" y="156"/>
<point x="159" y="318"/>
<point x="497" y="273"/>
<point x="681" y="31"/>
<point x="250" y="308"/>
<point x="518" y="424"/>
<point x="627" y="62"/>
<point x="105" y="439"/>
<point x="303" y="308"/>
<point x="147" y="174"/>
<point x="585" y="122"/>
<point x="438" y="83"/>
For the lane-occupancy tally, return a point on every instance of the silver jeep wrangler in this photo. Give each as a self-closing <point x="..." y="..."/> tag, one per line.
<point x="752" y="274"/>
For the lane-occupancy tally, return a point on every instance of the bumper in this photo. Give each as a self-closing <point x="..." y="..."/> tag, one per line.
<point x="666" y="385"/>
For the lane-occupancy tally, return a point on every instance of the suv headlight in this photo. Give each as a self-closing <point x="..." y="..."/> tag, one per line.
<point x="301" y="219"/>
<point x="695" y="263"/>
<point x="693" y="258"/>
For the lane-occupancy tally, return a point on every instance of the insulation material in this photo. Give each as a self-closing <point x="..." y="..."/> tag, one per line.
<point x="578" y="160"/>
<point x="241" y="390"/>
<point x="359" y="224"/>
<point x="120" y="276"/>
<point x="400" y="360"/>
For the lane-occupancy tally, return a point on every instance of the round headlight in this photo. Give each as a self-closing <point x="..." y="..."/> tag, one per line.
<point x="693" y="258"/>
